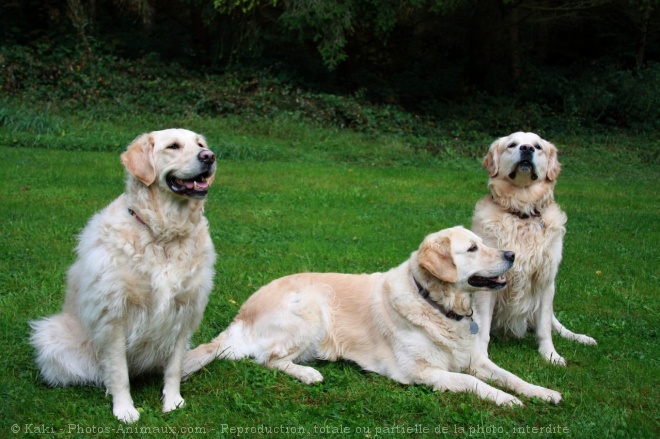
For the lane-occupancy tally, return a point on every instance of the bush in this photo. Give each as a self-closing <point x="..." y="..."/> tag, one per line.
<point x="600" y="96"/>
<point x="50" y="77"/>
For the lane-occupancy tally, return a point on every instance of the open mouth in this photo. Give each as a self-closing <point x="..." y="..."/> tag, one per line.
<point x="197" y="187"/>
<point x="493" y="283"/>
<point x="526" y="167"/>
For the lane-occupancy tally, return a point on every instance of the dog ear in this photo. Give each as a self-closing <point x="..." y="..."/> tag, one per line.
<point x="553" y="163"/>
<point x="492" y="160"/>
<point x="435" y="257"/>
<point x="138" y="159"/>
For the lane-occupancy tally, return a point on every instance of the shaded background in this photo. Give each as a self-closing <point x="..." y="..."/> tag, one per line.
<point x="586" y="63"/>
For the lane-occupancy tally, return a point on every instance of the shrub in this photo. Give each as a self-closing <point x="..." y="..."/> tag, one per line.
<point x="599" y="96"/>
<point x="50" y="77"/>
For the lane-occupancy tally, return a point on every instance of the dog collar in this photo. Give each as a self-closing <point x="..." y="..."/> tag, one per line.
<point x="427" y="296"/>
<point x="535" y="214"/>
<point x="524" y="216"/>
<point x="132" y="212"/>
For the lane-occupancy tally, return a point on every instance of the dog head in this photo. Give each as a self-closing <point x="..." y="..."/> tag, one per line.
<point x="453" y="263"/>
<point x="177" y="160"/>
<point x="523" y="159"/>
<point x="459" y="257"/>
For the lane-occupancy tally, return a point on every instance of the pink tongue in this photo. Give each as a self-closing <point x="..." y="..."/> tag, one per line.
<point x="196" y="185"/>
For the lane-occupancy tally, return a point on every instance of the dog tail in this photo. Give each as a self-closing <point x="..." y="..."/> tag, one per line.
<point x="231" y="344"/>
<point x="64" y="353"/>
<point x="570" y="335"/>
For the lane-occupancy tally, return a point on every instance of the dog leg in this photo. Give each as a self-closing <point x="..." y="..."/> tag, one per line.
<point x="483" y="307"/>
<point x="442" y="380"/>
<point x="485" y="369"/>
<point x="173" y="371"/>
<point x="561" y="330"/>
<point x="115" y="371"/>
<point x="543" y="318"/>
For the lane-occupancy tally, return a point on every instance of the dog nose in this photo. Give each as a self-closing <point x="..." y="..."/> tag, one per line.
<point x="206" y="156"/>
<point x="527" y="148"/>
<point x="509" y="256"/>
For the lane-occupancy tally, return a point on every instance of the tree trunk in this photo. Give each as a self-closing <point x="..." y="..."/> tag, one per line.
<point x="643" y="34"/>
<point x="514" y="41"/>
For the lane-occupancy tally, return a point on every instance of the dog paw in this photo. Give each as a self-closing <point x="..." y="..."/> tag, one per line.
<point x="557" y="360"/>
<point x="310" y="376"/>
<point x="553" y="396"/>
<point x="554" y="358"/>
<point x="307" y="375"/>
<point x="172" y="403"/>
<point x="126" y="413"/>
<point x="585" y="339"/>
<point x="509" y="401"/>
<point x="549" y="395"/>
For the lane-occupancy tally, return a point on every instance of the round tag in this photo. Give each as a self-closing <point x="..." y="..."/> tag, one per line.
<point x="474" y="328"/>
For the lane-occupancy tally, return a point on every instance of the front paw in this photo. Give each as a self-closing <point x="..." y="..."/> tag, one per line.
<point x="548" y="395"/>
<point x="552" y="396"/>
<point x="125" y="413"/>
<point x="172" y="402"/>
<point x="509" y="401"/>
<point x="553" y="357"/>
<point x="585" y="339"/>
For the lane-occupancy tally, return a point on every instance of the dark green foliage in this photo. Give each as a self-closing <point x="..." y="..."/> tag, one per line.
<point x="500" y="65"/>
<point x="45" y="80"/>
<point x="601" y="95"/>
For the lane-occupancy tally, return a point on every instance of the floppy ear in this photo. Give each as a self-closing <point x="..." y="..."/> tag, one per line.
<point x="436" y="258"/>
<point x="553" y="163"/>
<point x="492" y="160"/>
<point x="139" y="159"/>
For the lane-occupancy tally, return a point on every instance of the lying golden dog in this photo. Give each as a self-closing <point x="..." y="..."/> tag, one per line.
<point x="411" y="324"/>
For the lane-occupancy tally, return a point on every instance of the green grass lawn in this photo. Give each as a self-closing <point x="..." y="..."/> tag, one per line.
<point x="319" y="203"/>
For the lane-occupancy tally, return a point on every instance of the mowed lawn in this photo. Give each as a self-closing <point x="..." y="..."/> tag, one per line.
<point x="272" y="218"/>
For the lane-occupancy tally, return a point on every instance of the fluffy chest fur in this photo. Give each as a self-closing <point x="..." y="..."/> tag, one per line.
<point x="532" y="239"/>
<point x="155" y="287"/>
<point x="419" y="335"/>
<point x="537" y="243"/>
<point x="430" y="340"/>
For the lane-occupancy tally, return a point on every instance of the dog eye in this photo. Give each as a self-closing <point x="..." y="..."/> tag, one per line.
<point x="200" y="145"/>
<point x="537" y="146"/>
<point x="473" y="248"/>
<point x="174" y="146"/>
<point x="512" y="145"/>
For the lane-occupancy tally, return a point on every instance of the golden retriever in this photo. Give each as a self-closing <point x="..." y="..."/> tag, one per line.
<point x="411" y="323"/>
<point x="521" y="214"/>
<point x="141" y="281"/>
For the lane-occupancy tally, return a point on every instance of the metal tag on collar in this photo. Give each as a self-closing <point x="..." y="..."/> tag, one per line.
<point x="474" y="328"/>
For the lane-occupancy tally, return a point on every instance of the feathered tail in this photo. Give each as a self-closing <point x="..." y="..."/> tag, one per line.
<point x="64" y="353"/>
<point x="232" y="344"/>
